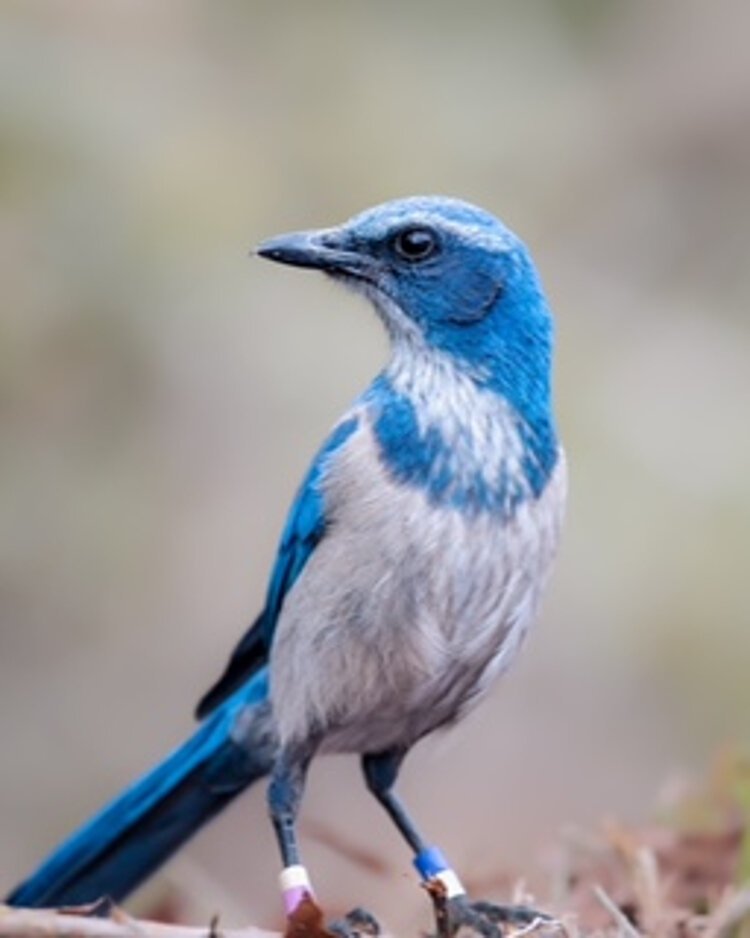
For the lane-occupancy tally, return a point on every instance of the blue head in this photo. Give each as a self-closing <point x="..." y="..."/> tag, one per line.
<point x="446" y="276"/>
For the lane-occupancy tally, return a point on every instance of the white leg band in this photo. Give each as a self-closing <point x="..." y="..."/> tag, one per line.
<point x="452" y="883"/>
<point x="293" y="877"/>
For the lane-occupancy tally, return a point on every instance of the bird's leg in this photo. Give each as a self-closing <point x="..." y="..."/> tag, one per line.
<point x="380" y="771"/>
<point x="284" y="797"/>
<point x="453" y="908"/>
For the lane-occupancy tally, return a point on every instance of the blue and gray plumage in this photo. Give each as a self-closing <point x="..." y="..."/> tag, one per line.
<point x="412" y="561"/>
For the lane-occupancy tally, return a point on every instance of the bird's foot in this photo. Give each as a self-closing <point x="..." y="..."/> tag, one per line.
<point x="487" y="919"/>
<point x="308" y="921"/>
<point x="358" y="923"/>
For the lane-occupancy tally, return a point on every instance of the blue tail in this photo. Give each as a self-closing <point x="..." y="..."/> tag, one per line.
<point x="121" y="846"/>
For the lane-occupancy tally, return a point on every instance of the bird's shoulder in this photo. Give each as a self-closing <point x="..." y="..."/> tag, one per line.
<point x="304" y="528"/>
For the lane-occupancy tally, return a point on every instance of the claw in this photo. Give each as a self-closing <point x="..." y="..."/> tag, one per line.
<point x="483" y="918"/>
<point x="519" y="916"/>
<point x="358" y="923"/>
<point x="465" y="914"/>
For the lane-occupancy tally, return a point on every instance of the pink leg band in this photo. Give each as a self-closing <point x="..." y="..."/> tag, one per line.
<point x="295" y="887"/>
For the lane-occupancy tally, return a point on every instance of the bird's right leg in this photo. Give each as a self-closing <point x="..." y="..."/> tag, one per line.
<point x="453" y="908"/>
<point x="284" y="797"/>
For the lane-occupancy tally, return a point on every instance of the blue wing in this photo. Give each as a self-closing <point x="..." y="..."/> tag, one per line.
<point x="303" y="531"/>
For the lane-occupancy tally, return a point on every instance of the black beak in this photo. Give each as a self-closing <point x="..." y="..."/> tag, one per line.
<point x="322" y="250"/>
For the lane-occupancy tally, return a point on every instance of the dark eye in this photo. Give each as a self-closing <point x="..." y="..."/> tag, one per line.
<point x="415" y="244"/>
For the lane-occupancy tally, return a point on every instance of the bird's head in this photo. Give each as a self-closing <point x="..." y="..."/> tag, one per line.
<point x="444" y="275"/>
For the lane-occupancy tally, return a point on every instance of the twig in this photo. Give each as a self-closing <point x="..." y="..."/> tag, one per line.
<point x="730" y="913"/>
<point x="48" y="923"/>
<point x="626" y="927"/>
<point x="648" y="891"/>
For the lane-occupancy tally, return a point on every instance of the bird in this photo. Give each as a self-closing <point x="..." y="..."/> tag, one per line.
<point x="409" y="569"/>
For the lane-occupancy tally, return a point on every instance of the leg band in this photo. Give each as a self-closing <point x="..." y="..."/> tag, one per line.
<point x="295" y="886"/>
<point x="431" y="864"/>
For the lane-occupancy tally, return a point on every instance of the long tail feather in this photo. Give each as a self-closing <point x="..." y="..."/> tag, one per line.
<point x="130" y="838"/>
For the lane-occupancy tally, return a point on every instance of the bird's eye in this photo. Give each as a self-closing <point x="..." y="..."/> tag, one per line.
<point x="415" y="244"/>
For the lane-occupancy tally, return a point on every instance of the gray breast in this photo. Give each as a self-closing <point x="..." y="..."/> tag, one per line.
<point x="405" y="611"/>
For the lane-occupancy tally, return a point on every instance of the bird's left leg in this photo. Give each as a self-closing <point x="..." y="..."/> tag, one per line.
<point x="453" y="909"/>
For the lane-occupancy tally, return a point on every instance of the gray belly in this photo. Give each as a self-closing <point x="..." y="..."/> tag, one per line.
<point x="404" y="614"/>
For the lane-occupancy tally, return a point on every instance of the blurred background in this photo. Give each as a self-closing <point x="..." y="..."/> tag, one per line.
<point x="161" y="393"/>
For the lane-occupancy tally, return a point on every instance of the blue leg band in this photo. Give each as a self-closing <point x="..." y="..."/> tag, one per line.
<point x="431" y="864"/>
